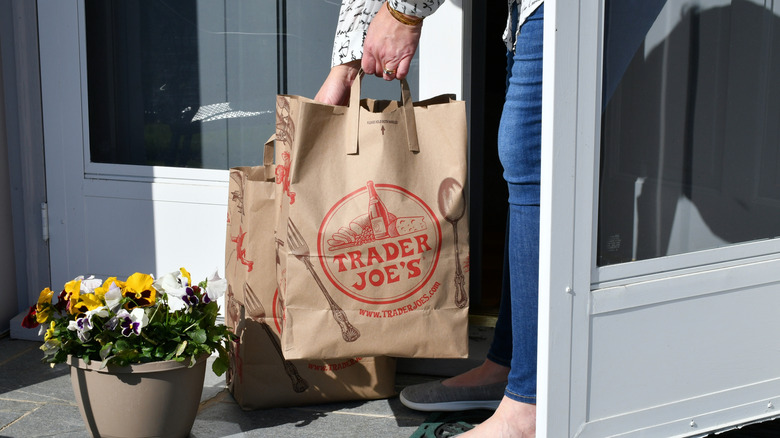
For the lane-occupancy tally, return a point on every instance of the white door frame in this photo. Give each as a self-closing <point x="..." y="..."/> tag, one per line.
<point x="703" y="312"/>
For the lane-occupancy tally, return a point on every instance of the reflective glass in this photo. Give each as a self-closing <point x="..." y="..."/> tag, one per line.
<point x="192" y="83"/>
<point x="690" y="136"/>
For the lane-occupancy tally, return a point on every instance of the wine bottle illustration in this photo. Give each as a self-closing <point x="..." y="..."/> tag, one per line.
<point x="378" y="216"/>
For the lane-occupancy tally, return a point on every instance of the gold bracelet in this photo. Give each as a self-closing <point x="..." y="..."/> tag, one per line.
<point x="402" y="17"/>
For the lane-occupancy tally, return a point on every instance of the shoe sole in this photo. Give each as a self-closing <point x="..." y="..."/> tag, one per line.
<point x="452" y="406"/>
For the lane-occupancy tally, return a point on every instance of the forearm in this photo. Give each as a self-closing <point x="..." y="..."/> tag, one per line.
<point x="355" y="17"/>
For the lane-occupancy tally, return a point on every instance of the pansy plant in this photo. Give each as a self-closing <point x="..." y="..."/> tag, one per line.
<point x="139" y="320"/>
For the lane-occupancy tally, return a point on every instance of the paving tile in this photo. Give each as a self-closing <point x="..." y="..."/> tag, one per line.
<point x="48" y="420"/>
<point x="212" y="384"/>
<point x="37" y="401"/>
<point x="17" y="407"/>
<point x="54" y="389"/>
<point x="24" y="377"/>
<point x="8" y="417"/>
<point x="390" y="408"/>
<point x="12" y="348"/>
<point x="226" y="419"/>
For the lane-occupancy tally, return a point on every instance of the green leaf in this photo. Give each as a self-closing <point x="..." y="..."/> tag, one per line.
<point x="122" y="344"/>
<point x="160" y="352"/>
<point x="106" y="351"/>
<point x="198" y="336"/>
<point x="180" y="349"/>
<point x="220" y="365"/>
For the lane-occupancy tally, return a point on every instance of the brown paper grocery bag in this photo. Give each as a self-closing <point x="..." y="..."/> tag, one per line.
<point x="259" y="376"/>
<point x="372" y="216"/>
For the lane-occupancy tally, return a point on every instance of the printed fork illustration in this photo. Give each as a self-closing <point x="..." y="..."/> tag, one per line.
<point x="256" y="312"/>
<point x="300" y="249"/>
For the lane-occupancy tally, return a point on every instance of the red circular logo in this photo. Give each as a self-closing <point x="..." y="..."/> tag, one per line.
<point x="379" y="244"/>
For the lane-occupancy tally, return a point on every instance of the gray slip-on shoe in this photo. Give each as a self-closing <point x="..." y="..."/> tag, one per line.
<point x="433" y="396"/>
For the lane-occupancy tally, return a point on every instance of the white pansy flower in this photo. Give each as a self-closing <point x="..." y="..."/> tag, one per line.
<point x="88" y="285"/>
<point x="113" y="296"/>
<point x="172" y="285"/>
<point x="168" y="282"/>
<point x="101" y="311"/>
<point x="216" y="286"/>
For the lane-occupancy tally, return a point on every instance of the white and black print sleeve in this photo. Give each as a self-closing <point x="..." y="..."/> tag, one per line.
<point x="356" y="15"/>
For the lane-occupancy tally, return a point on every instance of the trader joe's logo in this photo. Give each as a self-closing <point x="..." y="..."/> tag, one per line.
<point x="379" y="244"/>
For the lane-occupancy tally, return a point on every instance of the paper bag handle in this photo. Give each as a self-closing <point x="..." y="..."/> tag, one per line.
<point x="407" y="107"/>
<point x="268" y="151"/>
<point x="268" y="158"/>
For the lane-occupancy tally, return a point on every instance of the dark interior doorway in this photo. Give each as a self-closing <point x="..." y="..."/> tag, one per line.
<point x="488" y="189"/>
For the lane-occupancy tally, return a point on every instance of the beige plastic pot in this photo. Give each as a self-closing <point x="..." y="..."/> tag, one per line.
<point x="157" y="399"/>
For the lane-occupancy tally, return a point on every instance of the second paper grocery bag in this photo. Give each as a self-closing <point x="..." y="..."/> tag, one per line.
<point x="373" y="220"/>
<point x="259" y="375"/>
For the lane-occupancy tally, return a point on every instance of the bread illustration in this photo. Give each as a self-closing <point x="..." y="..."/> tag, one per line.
<point x="359" y="232"/>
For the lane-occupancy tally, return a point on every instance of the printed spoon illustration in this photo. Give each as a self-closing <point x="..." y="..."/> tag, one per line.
<point x="452" y="205"/>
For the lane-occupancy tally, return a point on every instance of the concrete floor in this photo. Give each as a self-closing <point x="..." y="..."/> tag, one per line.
<point x="37" y="401"/>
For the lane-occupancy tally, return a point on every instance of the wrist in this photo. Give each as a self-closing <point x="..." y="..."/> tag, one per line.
<point x="349" y="70"/>
<point x="409" y="20"/>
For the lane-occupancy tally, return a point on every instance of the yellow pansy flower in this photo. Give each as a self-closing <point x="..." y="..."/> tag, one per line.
<point x="49" y="333"/>
<point x="88" y="302"/>
<point x="44" y="307"/>
<point x="100" y="292"/>
<point x="186" y="275"/>
<point x="139" y="288"/>
<point x="72" y="292"/>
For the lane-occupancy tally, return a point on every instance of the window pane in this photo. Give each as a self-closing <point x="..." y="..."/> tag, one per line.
<point x="192" y="83"/>
<point x="160" y="92"/>
<point x="690" y="127"/>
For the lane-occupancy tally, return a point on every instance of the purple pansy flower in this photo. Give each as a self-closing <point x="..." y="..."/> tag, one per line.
<point x="191" y="297"/>
<point x="129" y="327"/>
<point x="131" y="323"/>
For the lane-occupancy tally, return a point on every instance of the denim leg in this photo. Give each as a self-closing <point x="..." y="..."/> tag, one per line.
<point x="519" y="148"/>
<point x="500" y="350"/>
<point x="524" y="273"/>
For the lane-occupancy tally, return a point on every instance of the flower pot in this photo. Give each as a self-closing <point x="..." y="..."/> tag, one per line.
<point x="156" y="399"/>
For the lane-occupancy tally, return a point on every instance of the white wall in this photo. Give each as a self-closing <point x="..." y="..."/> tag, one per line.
<point x="441" y="58"/>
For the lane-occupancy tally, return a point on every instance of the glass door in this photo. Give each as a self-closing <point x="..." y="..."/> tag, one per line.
<point x="660" y="217"/>
<point x="146" y="105"/>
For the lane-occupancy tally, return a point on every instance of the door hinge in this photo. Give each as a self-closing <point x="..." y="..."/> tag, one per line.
<point x="45" y="221"/>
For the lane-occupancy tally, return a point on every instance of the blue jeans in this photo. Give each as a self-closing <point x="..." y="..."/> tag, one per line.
<point x="519" y="149"/>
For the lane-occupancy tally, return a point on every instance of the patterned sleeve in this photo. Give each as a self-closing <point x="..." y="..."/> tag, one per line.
<point x="356" y="15"/>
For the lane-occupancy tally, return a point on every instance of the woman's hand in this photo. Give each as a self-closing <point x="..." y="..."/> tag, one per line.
<point x="335" y="89"/>
<point x="390" y="45"/>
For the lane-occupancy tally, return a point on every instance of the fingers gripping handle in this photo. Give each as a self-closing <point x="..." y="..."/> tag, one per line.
<point x="407" y="108"/>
